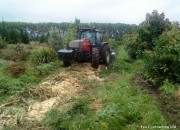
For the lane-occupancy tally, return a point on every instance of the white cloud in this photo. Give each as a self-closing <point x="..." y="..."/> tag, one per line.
<point x="122" y="11"/>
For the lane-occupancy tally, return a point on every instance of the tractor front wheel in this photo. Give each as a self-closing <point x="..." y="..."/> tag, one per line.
<point x="66" y="63"/>
<point x="95" y="58"/>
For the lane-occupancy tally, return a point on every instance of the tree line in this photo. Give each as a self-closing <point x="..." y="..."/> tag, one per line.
<point x="14" y="32"/>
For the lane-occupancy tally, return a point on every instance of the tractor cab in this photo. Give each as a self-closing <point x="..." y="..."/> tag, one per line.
<point x="93" y="35"/>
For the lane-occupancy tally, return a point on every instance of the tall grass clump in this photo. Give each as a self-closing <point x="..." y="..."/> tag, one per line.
<point x="169" y="89"/>
<point x="42" y="55"/>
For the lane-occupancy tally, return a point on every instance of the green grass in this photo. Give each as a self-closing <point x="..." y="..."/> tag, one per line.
<point x="122" y="104"/>
<point x="32" y="76"/>
<point x="12" y="86"/>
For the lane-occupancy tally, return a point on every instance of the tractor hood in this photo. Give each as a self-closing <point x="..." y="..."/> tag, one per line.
<point x="74" y="44"/>
<point x="78" y="43"/>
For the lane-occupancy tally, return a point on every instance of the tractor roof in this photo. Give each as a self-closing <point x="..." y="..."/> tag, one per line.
<point x="89" y="29"/>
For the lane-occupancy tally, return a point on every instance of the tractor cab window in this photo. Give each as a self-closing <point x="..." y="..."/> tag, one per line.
<point x="99" y="37"/>
<point x="89" y="35"/>
<point x="86" y="34"/>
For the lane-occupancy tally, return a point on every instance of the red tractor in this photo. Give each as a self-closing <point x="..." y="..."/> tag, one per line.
<point x="90" y="47"/>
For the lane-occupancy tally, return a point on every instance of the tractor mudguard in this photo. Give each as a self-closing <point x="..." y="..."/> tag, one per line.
<point x="100" y="46"/>
<point x="65" y="54"/>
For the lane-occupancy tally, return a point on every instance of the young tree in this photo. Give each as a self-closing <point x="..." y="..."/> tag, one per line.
<point x="71" y="34"/>
<point x="55" y="39"/>
<point x="2" y="43"/>
<point x="24" y="37"/>
<point x="14" y="36"/>
<point x="43" y="39"/>
<point x="152" y="28"/>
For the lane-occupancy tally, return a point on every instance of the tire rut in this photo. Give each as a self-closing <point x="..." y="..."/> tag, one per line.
<point x="169" y="107"/>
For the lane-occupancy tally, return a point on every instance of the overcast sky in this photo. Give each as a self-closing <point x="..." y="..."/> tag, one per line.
<point x="106" y="11"/>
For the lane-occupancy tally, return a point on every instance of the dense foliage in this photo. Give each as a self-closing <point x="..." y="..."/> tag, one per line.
<point x="13" y="34"/>
<point x="163" y="62"/>
<point x="152" y="28"/>
<point x="133" y="45"/>
<point x="157" y="43"/>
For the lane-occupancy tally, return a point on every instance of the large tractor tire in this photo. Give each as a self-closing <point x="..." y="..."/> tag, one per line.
<point x="105" y="55"/>
<point x="95" y="58"/>
<point x="66" y="63"/>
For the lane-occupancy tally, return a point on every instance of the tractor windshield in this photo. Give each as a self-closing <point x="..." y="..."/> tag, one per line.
<point x="89" y="35"/>
<point x="86" y="34"/>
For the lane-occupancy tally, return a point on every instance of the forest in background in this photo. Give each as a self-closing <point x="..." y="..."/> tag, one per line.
<point x="14" y="32"/>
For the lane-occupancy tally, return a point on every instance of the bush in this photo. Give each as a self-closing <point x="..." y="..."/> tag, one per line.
<point x="133" y="46"/>
<point x="163" y="62"/>
<point x="42" y="55"/>
<point x="55" y="39"/>
<point x="112" y="43"/>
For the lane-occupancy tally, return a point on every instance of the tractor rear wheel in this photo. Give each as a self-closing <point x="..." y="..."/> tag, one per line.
<point x="66" y="63"/>
<point x="95" y="58"/>
<point x="105" y="55"/>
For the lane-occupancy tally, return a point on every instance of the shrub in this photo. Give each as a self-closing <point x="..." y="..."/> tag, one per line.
<point x="163" y="62"/>
<point x="133" y="46"/>
<point x="42" y="55"/>
<point x="55" y="39"/>
<point x="112" y="43"/>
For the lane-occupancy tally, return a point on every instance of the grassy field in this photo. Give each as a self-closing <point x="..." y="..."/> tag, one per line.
<point x="117" y="103"/>
<point x="84" y="98"/>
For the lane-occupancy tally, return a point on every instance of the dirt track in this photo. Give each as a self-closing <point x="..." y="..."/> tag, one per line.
<point x="58" y="90"/>
<point x="169" y="107"/>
